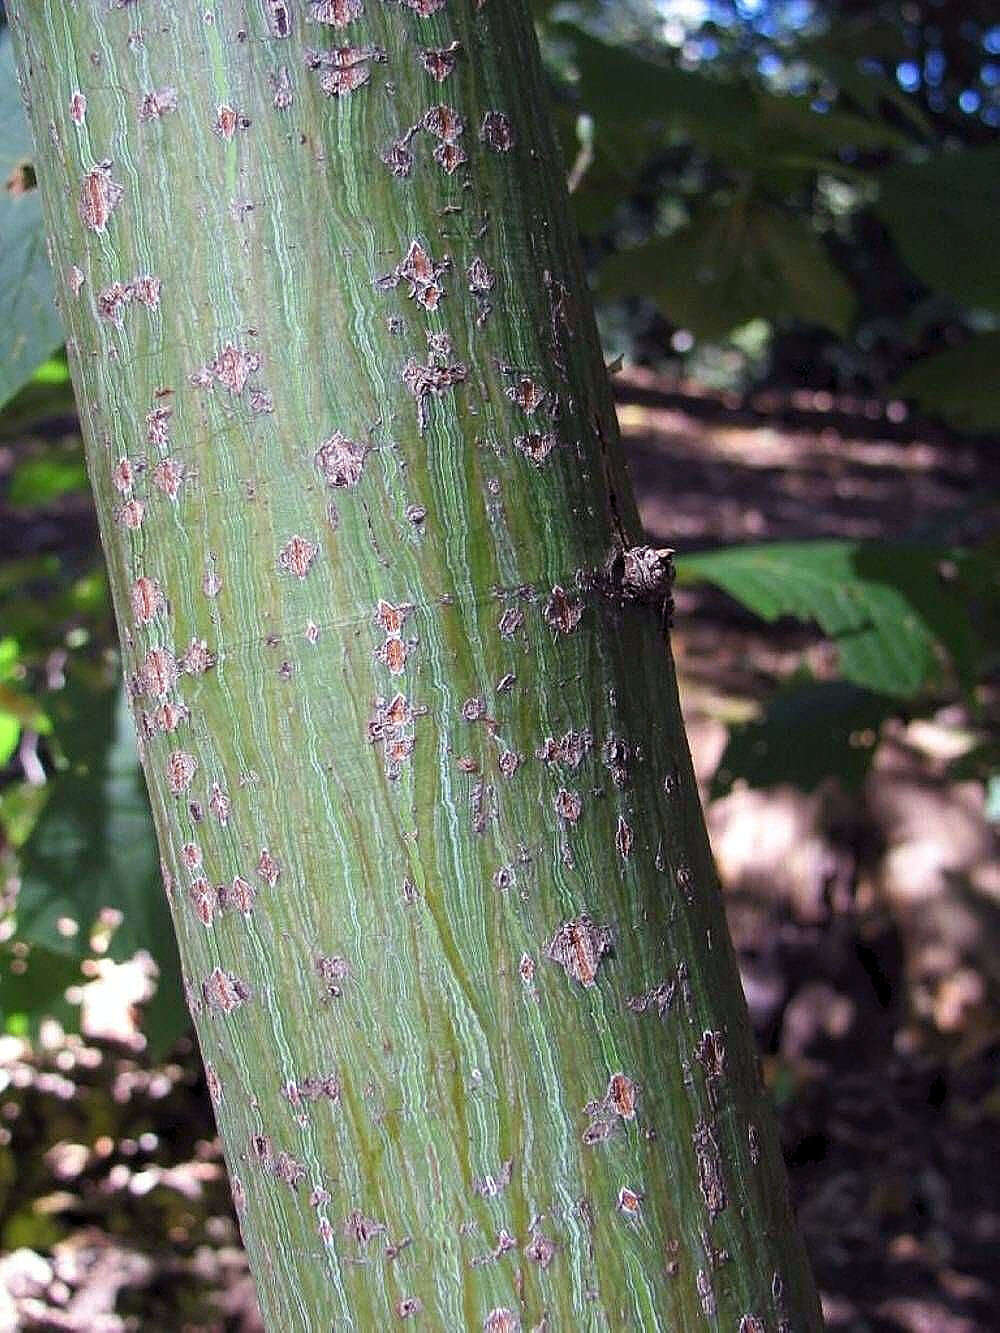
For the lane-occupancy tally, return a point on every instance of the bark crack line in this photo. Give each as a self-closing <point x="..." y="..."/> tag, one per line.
<point x="613" y="584"/>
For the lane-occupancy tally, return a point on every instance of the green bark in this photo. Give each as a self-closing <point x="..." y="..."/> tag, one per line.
<point x="451" y="934"/>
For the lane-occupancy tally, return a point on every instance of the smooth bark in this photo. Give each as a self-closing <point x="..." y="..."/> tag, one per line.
<point x="452" y="938"/>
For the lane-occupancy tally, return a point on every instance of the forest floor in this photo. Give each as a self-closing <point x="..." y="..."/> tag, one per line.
<point x="866" y="922"/>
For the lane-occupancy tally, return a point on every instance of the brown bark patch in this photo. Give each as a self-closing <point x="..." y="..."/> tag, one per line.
<point x="579" y="946"/>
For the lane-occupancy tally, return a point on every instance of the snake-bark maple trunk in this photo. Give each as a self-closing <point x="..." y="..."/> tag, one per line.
<point x="452" y="939"/>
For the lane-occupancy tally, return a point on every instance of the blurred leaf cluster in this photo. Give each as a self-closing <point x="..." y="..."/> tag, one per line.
<point x="812" y="187"/>
<point x="912" y="624"/>
<point x="78" y="859"/>
<point x="829" y="170"/>
<point x="30" y="328"/>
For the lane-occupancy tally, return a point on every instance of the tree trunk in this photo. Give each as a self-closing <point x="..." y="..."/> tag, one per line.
<point x="452" y="939"/>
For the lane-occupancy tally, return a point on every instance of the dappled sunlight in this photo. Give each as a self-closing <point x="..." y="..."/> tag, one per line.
<point x="787" y="481"/>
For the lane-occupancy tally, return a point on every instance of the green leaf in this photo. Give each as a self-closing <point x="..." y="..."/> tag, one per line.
<point x="786" y="124"/>
<point x="868" y="34"/>
<point x="618" y="85"/>
<point x="39" y="481"/>
<point x="16" y="709"/>
<point x="962" y="384"/>
<point x="93" y="846"/>
<point x="52" y="371"/>
<point x="728" y="117"/>
<point x="942" y="214"/>
<point x="33" y="985"/>
<point x="811" y="731"/>
<point x="10" y="731"/>
<point x="37" y="402"/>
<point x="30" y="328"/>
<point x="870" y="90"/>
<point x="888" y="608"/>
<point x="15" y="132"/>
<point x="10" y="655"/>
<point x="732" y="263"/>
<point x="844" y="54"/>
